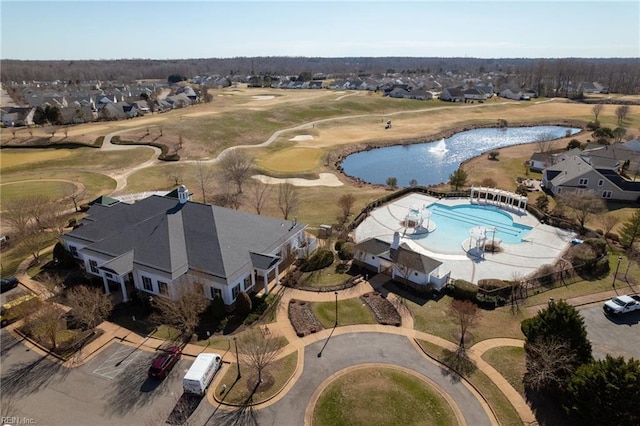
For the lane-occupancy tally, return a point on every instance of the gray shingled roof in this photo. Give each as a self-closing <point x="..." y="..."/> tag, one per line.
<point x="404" y="255"/>
<point x="171" y="237"/>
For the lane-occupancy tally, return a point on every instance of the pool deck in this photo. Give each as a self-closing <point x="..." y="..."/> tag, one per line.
<point x="542" y="246"/>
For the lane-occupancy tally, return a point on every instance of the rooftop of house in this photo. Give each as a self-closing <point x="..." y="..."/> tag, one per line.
<point x="172" y="237"/>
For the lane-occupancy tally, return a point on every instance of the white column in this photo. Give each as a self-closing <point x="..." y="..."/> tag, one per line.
<point x="106" y="286"/>
<point x="277" y="275"/>
<point x="123" y="287"/>
<point x="266" y="283"/>
<point x="253" y="279"/>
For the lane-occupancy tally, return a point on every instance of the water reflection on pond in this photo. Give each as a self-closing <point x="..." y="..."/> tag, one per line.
<point x="433" y="162"/>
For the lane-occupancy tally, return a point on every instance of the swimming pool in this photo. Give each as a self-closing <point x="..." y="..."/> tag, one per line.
<point x="454" y="222"/>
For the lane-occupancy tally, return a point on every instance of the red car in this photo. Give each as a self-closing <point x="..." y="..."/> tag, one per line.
<point x="164" y="362"/>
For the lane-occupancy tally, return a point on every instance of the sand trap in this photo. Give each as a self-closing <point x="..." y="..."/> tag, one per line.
<point x="326" y="179"/>
<point x="262" y="97"/>
<point x="301" y="138"/>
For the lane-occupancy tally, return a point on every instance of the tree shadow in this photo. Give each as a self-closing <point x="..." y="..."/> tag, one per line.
<point x="7" y="343"/>
<point x="184" y="408"/>
<point x="29" y="377"/>
<point x="457" y="365"/>
<point x="244" y="414"/>
<point x="546" y="408"/>
<point x="129" y="393"/>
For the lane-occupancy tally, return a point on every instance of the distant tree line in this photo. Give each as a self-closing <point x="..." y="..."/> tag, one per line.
<point x="546" y="76"/>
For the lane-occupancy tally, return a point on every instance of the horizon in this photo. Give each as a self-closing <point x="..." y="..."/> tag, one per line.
<point x="171" y="30"/>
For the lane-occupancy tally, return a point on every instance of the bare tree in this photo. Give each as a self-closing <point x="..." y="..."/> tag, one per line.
<point x="54" y="219"/>
<point x="608" y="222"/>
<point x="20" y="213"/>
<point x="465" y="314"/>
<point x="259" y="195"/>
<point x="260" y="350"/>
<point x="544" y="142"/>
<point x="32" y="240"/>
<point x="618" y="134"/>
<point x="46" y="323"/>
<point x="597" y="110"/>
<point x="621" y="112"/>
<point x="345" y="202"/>
<point x="89" y="305"/>
<point x="204" y="177"/>
<point x="582" y="205"/>
<point x="236" y="167"/>
<point x="184" y="309"/>
<point x="75" y="197"/>
<point x="549" y="362"/>
<point x="288" y="199"/>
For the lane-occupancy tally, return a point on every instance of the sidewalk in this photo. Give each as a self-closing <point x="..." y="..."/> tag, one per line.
<point x="589" y="299"/>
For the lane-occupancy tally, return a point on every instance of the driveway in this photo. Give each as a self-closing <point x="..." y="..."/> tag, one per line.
<point x="345" y="351"/>
<point x="112" y="388"/>
<point x="613" y="336"/>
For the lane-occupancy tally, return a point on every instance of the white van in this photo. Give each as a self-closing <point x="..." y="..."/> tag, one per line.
<point x="201" y="373"/>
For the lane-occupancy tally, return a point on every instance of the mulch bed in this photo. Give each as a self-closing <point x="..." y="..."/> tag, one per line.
<point x="383" y="310"/>
<point x="302" y="318"/>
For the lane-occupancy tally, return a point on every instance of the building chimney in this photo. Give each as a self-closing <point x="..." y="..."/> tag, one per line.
<point x="396" y="241"/>
<point x="183" y="194"/>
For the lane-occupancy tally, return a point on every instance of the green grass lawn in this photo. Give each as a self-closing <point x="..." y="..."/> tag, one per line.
<point x="51" y="189"/>
<point x="506" y="414"/>
<point x="350" y="311"/>
<point x="433" y="318"/>
<point x="381" y="396"/>
<point x="238" y="391"/>
<point x="510" y="362"/>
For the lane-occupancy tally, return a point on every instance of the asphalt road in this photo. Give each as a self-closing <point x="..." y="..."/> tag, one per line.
<point x="617" y="336"/>
<point x="111" y="389"/>
<point x="344" y="351"/>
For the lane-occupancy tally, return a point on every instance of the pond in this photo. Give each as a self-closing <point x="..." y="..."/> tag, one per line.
<point x="432" y="163"/>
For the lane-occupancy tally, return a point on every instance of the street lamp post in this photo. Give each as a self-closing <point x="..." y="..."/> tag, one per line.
<point x="336" y="293"/>
<point x="616" y="273"/>
<point x="235" y="342"/>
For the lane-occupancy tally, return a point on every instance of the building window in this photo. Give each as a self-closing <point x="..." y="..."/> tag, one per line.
<point x="147" y="284"/>
<point x="74" y="251"/>
<point x="236" y="291"/>
<point x="215" y="292"/>
<point x="163" y="287"/>
<point x="583" y="181"/>
<point x="600" y="182"/>
<point x="607" y="194"/>
<point x="415" y="273"/>
<point x="247" y="283"/>
<point x="108" y="275"/>
<point x="94" y="266"/>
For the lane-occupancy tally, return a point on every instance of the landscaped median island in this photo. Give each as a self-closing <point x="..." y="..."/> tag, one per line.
<point x="381" y="396"/>
<point x="243" y="391"/>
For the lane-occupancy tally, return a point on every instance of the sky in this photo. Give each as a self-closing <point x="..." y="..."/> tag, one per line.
<point x="101" y="29"/>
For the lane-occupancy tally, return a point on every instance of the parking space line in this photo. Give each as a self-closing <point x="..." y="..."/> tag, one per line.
<point x="117" y="362"/>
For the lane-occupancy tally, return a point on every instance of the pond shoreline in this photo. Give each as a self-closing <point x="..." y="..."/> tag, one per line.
<point x="375" y="144"/>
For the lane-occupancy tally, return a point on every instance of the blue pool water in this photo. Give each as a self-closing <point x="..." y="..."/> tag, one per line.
<point x="454" y="222"/>
<point x="432" y="163"/>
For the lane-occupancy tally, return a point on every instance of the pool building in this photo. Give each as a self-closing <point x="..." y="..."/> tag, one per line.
<point x="427" y="241"/>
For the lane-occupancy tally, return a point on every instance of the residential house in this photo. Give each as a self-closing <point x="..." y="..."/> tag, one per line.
<point x="400" y="93"/>
<point x="18" y="116"/>
<point x="584" y="173"/>
<point x="541" y="160"/>
<point x="162" y="242"/>
<point x="452" y="94"/>
<point x="179" y="100"/>
<point x="421" y="95"/>
<point x="400" y="262"/>
<point x="472" y="94"/>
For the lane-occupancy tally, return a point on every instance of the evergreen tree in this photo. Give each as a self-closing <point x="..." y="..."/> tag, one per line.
<point x="630" y="230"/>
<point x="605" y="392"/>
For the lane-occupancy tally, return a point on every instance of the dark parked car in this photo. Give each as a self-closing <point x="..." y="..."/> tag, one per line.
<point x="164" y="362"/>
<point x="8" y="283"/>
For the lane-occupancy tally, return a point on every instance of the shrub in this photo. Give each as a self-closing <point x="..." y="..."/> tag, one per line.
<point x="243" y="303"/>
<point x="461" y="289"/>
<point x="494" y="154"/>
<point x="321" y="259"/>
<point x="346" y="251"/>
<point x="598" y="245"/>
<point x="573" y="143"/>
<point x="593" y="125"/>
<point x="486" y="302"/>
<point x="546" y="275"/>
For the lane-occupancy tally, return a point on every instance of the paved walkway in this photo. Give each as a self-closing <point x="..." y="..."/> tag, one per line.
<point x="282" y="327"/>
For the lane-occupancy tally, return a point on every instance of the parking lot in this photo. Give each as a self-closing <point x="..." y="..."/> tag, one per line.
<point x="112" y="388"/>
<point x="614" y="336"/>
